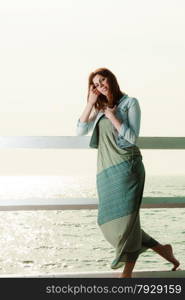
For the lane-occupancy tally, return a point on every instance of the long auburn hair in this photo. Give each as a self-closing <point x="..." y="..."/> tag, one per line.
<point x="115" y="91"/>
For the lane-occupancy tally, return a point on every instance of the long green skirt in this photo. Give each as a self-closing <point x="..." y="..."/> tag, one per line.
<point x="120" y="183"/>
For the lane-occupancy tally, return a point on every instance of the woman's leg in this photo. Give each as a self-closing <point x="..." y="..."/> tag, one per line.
<point x="127" y="272"/>
<point x="166" y="252"/>
<point x="163" y="250"/>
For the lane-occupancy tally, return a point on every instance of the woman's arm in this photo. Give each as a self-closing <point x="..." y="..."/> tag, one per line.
<point x="86" y="113"/>
<point x="127" y="131"/>
<point x="86" y="121"/>
<point x="84" y="128"/>
<point x="130" y="132"/>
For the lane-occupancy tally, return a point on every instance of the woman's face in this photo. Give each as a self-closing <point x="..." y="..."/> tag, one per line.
<point x="101" y="83"/>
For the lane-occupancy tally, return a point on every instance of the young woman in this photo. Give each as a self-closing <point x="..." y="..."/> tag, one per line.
<point x="114" y="118"/>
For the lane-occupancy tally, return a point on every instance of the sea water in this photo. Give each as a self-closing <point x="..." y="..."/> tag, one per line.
<point x="56" y="241"/>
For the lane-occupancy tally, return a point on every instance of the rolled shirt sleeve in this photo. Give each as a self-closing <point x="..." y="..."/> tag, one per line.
<point x="130" y="131"/>
<point x="84" y="128"/>
<point x="81" y="128"/>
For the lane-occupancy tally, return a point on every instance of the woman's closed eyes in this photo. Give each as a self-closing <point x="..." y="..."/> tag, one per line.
<point x="96" y="85"/>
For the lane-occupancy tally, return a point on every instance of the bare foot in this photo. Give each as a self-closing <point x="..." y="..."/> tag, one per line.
<point x="167" y="252"/>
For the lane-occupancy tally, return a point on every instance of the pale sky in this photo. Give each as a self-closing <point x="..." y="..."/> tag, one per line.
<point x="48" y="49"/>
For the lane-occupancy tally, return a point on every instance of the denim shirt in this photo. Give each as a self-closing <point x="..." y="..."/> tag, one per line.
<point x="127" y="112"/>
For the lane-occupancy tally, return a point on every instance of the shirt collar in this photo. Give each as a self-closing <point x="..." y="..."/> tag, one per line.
<point x="122" y="98"/>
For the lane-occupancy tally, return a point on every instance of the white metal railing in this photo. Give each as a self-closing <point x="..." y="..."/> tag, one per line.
<point x="82" y="142"/>
<point x="71" y="142"/>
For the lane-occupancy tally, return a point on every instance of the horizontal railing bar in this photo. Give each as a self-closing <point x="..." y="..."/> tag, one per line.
<point x="82" y="142"/>
<point x="83" y="203"/>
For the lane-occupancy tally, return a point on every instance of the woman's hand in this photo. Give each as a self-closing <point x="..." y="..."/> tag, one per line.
<point x="110" y="112"/>
<point x="93" y="95"/>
